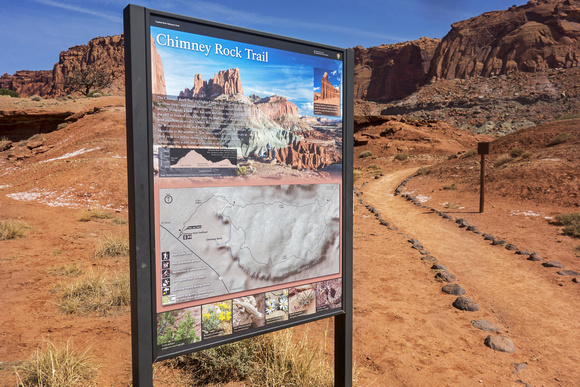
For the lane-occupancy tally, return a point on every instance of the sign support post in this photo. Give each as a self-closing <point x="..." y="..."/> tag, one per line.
<point x="482" y="149"/>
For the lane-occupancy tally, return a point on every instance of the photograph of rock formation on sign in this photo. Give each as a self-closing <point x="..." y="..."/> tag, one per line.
<point x="326" y="92"/>
<point x="213" y="97"/>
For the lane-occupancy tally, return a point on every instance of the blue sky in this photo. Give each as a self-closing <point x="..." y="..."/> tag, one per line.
<point x="34" y="32"/>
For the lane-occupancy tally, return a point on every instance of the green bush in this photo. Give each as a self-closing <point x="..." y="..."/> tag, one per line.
<point x="10" y="93"/>
<point x="36" y="98"/>
<point x="365" y="154"/>
<point x="561" y="138"/>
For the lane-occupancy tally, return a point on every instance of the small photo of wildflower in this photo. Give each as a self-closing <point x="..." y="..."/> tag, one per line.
<point x="216" y="319"/>
<point x="277" y="305"/>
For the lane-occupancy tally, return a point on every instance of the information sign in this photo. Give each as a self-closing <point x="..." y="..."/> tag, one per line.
<point x="244" y="164"/>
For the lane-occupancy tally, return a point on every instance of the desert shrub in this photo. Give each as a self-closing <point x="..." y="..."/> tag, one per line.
<point x="274" y="359"/>
<point x="112" y="246"/>
<point x="422" y="171"/>
<point x="95" y="94"/>
<point x="561" y="138"/>
<point x="571" y="223"/>
<point x="62" y="125"/>
<point x="58" y="367"/>
<point x="36" y="98"/>
<point x="95" y="214"/>
<point x="470" y="153"/>
<point x="501" y="160"/>
<point x="401" y="156"/>
<point x="450" y="187"/>
<point x="95" y="292"/>
<point x="515" y="152"/>
<point x="568" y="116"/>
<point x="356" y="174"/>
<point x="365" y="154"/>
<point x="12" y="229"/>
<point x="10" y="93"/>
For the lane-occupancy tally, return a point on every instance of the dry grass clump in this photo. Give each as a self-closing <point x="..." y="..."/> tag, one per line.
<point x="112" y="246"/>
<point x="285" y="360"/>
<point x="501" y="160"/>
<point x="71" y="270"/>
<point x="274" y="359"/>
<point x="57" y="367"/>
<point x="95" y="214"/>
<point x="12" y="229"/>
<point x="95" y="292"/>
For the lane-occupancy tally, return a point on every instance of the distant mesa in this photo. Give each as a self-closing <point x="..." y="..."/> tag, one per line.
<point x="223" y="83"/>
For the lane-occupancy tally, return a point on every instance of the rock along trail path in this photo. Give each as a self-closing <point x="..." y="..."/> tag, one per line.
<point x="540" y="317"/>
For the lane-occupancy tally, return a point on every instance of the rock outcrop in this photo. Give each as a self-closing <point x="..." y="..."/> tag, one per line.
<point x="28" y="83"/>
<point x="327" y="91"/>
<point x="105" y="52"/>
<point x="537" y="36"/>
<point x="392" y="71"/>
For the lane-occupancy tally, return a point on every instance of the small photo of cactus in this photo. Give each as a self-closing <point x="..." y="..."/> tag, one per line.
<point x="302" y="300"/>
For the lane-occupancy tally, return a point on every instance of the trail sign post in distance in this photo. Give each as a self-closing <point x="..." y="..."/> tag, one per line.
<point x="240" y="181"/>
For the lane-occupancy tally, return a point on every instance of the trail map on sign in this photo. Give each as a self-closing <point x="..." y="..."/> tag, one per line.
<point x="221" y="240"/>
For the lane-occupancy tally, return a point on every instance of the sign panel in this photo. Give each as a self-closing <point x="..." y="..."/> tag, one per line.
<point x="247" y="194"/>
<point x="247" y="153"/>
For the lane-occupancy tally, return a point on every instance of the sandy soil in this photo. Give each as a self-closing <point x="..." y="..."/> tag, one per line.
<point x="406" y="331"/>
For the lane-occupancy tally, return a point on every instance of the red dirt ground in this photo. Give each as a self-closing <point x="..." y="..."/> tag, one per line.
<point x="406" y="332"/>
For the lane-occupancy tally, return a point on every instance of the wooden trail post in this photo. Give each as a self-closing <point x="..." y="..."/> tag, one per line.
<point x="482" y="149"/>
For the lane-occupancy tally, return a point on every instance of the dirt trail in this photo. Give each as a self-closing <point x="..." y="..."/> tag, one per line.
<point x="518" y="296"/>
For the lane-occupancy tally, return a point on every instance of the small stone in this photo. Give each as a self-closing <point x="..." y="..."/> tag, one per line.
<point x="424" y="252"/>
<point x="523" y="252"/>
<point x="453" y="289"/>
<point x="500" y="343"/>
<point x="471" y="228"/>
<point x="567" y="272"/>
<point x="576" y="280"/>
<point x="518" y="367"/>
<point x="445" y="216"/>
<point x="488" y="237"/>
<point x="498" y="242"/>
<point x="428" y="258"/>
<point x="484" y="325"/>
<point x="438" y="266"/>
<point x="535" y="257"/>
<point x="551" y="263"/>
<point x="511" y="247"/>
<point x="445" y="276"/>
<point x="467" y="304"/>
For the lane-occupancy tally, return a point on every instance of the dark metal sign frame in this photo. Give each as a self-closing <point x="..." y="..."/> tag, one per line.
<point x="139" y="102"/>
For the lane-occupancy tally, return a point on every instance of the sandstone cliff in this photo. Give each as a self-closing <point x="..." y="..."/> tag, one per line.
<point x="536" y="36"/>
<point x="157" y="73"/>
<point x="107" y="52"/>
<point x="392" y="71"/>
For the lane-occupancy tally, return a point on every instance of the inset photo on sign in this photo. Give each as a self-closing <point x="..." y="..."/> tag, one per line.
<point x="277" y="306"/>
<point x="249" y="312"/>
<point x="326" y="92"/>
<point x="178" y="327"/>
<point x="302" y="300"/>
<point x="216" y="319"/>
<point x="329" y="294"/>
